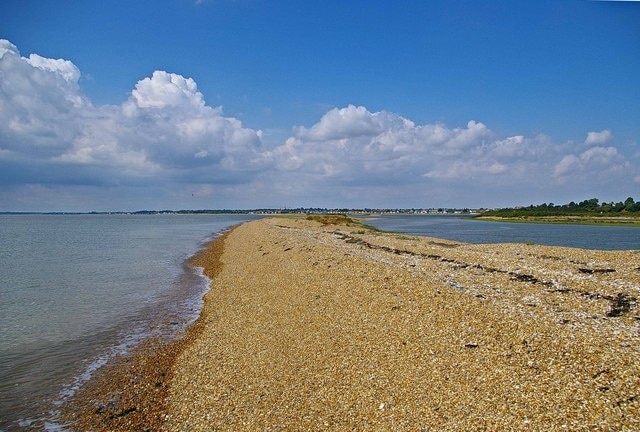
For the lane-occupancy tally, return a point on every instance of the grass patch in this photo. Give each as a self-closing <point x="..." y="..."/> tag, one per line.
<point x="332" y="219"/>
<point x="341" y="219"/>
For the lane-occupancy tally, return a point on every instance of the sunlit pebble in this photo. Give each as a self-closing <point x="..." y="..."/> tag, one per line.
<point x="505" y="298"/>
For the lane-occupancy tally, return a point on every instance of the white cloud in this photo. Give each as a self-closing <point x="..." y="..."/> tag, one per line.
<point x="600" y="155"/>
<point x="567" y="165"/>
<point x="593" y="165"/>
<point x="347" y="123"/>
<point x="467" y="169"/>
<point x="354" y="145"/>
<point x="60" y="66"/>
<point x="164" y="127"/>
<point x="165" y="138"/>
<point x="40" y="103"/>
<point x="598" y="138"/>
<point x="164" y="89"/>
<point x="7" y="47"/>
<point x="382" y="149"/>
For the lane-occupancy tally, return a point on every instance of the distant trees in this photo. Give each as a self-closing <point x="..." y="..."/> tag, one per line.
<point x="630" y="205"/>
<point x="590" y="204"/>
<point x="587" y="207"/>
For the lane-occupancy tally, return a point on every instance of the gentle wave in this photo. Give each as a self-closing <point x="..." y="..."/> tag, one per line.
<point x="80" y="290"/>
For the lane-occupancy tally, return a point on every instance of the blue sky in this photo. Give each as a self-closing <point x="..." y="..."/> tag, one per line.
<point x="125" y="105"/>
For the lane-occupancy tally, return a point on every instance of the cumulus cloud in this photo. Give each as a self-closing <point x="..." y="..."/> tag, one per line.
<point x="164" y="89"/>
<point x="350" y="122"/>
<point x="164" y="128"/>
<point x="351" y="148"/>
<point x="39" y="103"/>
<point x="596" y="162"/>
<point x="598" y="138"/>
<point x="354" y="145"/>
<point x="65" y="68"/>
<point x="165" y="136"/>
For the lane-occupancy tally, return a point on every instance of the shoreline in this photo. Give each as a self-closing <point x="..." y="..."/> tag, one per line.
<point x="129" y="392"/>
<point x="318" y="324"/>
<point x="633" y="222"/>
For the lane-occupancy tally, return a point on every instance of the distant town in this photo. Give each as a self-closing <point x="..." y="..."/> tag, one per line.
<point x="273" y="211"/>
<point x="591" y="207"/>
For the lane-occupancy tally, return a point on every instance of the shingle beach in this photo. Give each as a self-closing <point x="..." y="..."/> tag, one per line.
<point x="323" y="324"/>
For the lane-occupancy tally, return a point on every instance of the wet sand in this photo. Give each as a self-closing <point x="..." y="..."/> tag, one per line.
<point x="130" y="392"/>
<point x="312" y="326"/>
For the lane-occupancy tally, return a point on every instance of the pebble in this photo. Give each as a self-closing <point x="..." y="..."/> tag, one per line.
<point x="302" y="314"/>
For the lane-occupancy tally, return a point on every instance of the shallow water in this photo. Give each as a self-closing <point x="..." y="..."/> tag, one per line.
<point x="469" y="230"/>
<point x="76" y="290"/>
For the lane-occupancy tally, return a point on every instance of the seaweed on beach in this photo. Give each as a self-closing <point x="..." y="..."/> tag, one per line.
<point x="598" y="270"/>
<point x="620" y="304"/>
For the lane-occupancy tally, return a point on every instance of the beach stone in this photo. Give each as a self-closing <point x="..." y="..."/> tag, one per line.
<point x="321" y="323"/>
<point x="311" y="325"/>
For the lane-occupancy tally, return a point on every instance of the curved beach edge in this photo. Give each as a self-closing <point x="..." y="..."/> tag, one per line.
<point x="323" y="323"/>
<point x="130" y="392"/>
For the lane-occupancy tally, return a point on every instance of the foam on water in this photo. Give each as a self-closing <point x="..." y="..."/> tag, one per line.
<point x="113" y="282"/>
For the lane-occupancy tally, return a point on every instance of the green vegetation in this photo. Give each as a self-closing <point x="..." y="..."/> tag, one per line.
<point x="333" y="219"/>
<point x="588" y="211"/>
<point x="341" y="219"/>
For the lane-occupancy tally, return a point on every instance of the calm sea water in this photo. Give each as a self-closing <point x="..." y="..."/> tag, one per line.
<point x="75" y="290"/>
<point x="469" y="230"/>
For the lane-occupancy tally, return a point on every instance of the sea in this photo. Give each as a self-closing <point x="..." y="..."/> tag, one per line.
<point x="78" y="290"/>
<point x="467" y="229"/>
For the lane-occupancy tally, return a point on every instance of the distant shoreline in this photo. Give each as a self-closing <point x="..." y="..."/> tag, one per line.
<point x="577" y="220"/>
<point x="263" y="211"/>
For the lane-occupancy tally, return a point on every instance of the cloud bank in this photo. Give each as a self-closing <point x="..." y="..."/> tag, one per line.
<point x="165" y="147"/>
